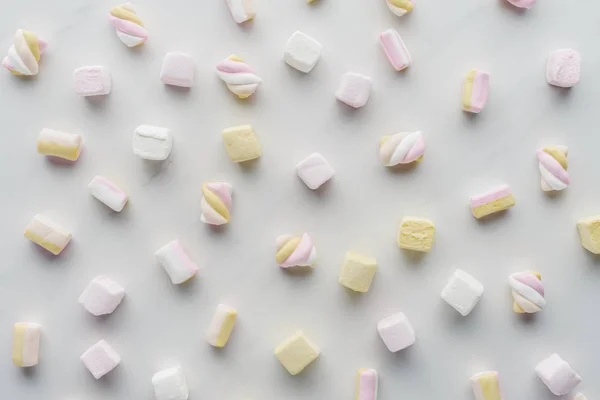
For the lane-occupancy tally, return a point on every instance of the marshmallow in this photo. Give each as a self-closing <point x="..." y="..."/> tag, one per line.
<point x="100" y="359"/>
<point x="241" y="143"/>
<point x="24" y="55"/>
<point x="152" y="142"/>
<point x="178" y="70"/>
<point x="129" y="27"/>
<point x="242" y="10"/>
<point x="527" y="291"/>
<point x="396" y="332"/>
<point x="92" y="81"/>
<point x="221" y="326"/>
<point x="493" y="201"/>
<point x="589" y="233"/>
<point x="522" y="3"/>
<point x="296" y="352"/>
<point x="302" y="52"/>
<point x="553" y="165"/>
<point x="557" y="375"/>
<point x="400" y="7"/>
<point x="358" y="272"/>
<point x="462" y="292"/>
<point x="176" y="262"/>
<point x="47" y="234"/>
<point x="366" y="384"/>
<point x="295" y="251"/>
<point x="170" y="384"/>
<point x="416" y="234"/>
<point x="59" y="144"/>
<point x="108" y="193"/>
<point x="26" y="344"/>
<point x="354" y="90"/>
<point x="102" y="296"/>
<point x="563" y="68"/>
<point x="314" y="171"/>
<point x="580" y="396"/>
<point x="239" y="76"/>
<point x="486" y="386"/>
<point x="216" y="203"/>
<point x="395" y="49"/>
<point x="401" y="148"/>
<point x="476" y="89"/>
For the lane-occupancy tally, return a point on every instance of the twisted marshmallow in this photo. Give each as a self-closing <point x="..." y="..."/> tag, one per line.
<point x="401" y="148"/>
<point x="24" y="55"/>
<point x="400" y="7"/>
<point x="128" y="25"/>
<point x="295" y="251"/>
<point x="239" y="76"/>
<point x="527" y="292"/>
<point x="553" y="167"/>
<point x="216" y="203"/>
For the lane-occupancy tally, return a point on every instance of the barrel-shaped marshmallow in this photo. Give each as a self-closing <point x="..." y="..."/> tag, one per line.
<point x="241" y="10"/>
<point x="176" y="262"/>
<point x="152" y="142"/>
<point x="26" y="344"/>
<point x="24" y="55"/>
<point x="563" y="68"/>
<point x="221" y="325"/>
<point x="366" y="384"/>
<point x="400" y="7"/>
<point x="527" y="292"/>
<point x="476" y="89"/>
<point x="493" y="201"/>
<point x="216" y="203"/>
<point x="129" y="27"/>
<point x="59" y="144"/>
<point x="108" y="193"/>
<point x="486" y="386"/>
<point x="294" y="251"/>
<point x="552" y="162"/>
<point x="47" y="234"/>
<point x="239" y="76"/>
<point x="401" y="148"/>
<point x="394" y="48"/>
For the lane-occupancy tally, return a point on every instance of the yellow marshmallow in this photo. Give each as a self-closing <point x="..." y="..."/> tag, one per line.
<point x="416" y="234"/>
<point x="221" y="326"/>
<point x="357" y="272"/>
<point x="589" y="233"/>
<point x="59" y="144"/>
<point x="47" y="234"/>
<point x="26" y="344"/>
<point x="296" y="352"/>
<point x="241" y="143"/>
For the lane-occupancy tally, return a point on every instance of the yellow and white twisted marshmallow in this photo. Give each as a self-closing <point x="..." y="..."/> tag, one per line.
<point x="400" y="7"/>
<point x="24" y="55"/>
<point x="295" y="251"/>
<point x="527" y="291"/>
<point x="216" y="203"/>
<point x="130" y="28"/>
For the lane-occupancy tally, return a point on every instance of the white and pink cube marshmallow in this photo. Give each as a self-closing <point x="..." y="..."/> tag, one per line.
<point x="354" y="90"/>
<point x="102" y="296"/>
<point x="557" y="375"/>
<point x="92" y="81"/>
<point x="100" y="359"/>
<point x="314" y="171"/>
<point x="396" y="332"/>
<point x="563" y="68"/>
<point x="178" y="69"/>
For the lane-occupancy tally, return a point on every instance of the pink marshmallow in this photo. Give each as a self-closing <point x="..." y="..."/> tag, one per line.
<point x="92" y="81"/>
<point x="100" y="359"/>
<point x="563" y="68"/>
<point x="354" y="90"/>
<point x="395" y="49"/>
<point x="314" y="171"/>
<point x="557" y="375"/>
<point x="102" y="296"/>
<point x="178" y="70"/>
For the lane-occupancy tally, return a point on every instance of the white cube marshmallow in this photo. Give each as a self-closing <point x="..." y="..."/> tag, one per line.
<point x="92" y="81"/>
<point x="170" y="384"/>
<point x="302" y="52"/>
<point x="178" y="70"/>
<point x="108" y="193"/>
<point x="176" y="262"/>
<point x="100" y="359"/>
<point x="314" y="171"/>
<point x="152" y="142"/>
<point x="563" y="68"/>
<point x="354" y="90"/>
<point x="396" y="332"/>
<point x="102" y="296"/>
<point x="462" y="292"/>
<point x="557" y="374"/>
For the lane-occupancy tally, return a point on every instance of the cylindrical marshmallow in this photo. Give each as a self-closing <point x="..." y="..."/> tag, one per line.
<point x="401" y="148"/>
<point x="527" y="291"/>
<point x="108" y="193"/>
<point x="552" y="162"/>
<point x="295" y="251"/>
<point x="221" y="326"/>
<point x="486" y="386"/>
<point x="59" y="144"/>
<point x="239" y="76"/>
<point x="47" y="234"/>
<point x="129" y="27"/>
<point x="241" y="10"/>
<point x="400" y="7"/>
<point x="395" y="49"/>
<point x="476" y="89"/>
<point x="176" y="262"/>
<point x="24" y="55"/>
<point x="26" y="344"/>
<point x="366" y="384"/>
<point x="216" y="203"/>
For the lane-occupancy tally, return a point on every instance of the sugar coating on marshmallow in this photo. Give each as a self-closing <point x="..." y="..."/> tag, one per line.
<point x="241" y="10"/>
<point x="59" y="144"/>
<point x="358" y="272"/>
<point x="26" y="344"/>
<point x="416" y="234"/>
<point x="314" y="171"/>
<point x="486" y="386"/>
<point x="296" y="352"/>
<point x="400" y="7"/>
<point x="589" y="233"/>
<point x="241" y="143"/>
<point x="557" y="375"/>
<point x="366" y="384"/>
<point x="108" y="193"/>
<point x="152" y="142"/>
<point x="563" y="68"/>
<point x="102" y="296"/>
<point x="178" y="69"/>
<point x="396" y="332"/>
<point x="462" y="292"/>
<point x="176" y="262"/>
<point x="476" y="89"/>
<point x="47" y="234"/>
<point x="395" y="49"/>
<point x="170" y="384"/>
<point x="492" y="201"/>
<point x="100" y="359"/>
<point x="302" y="52"/>
<point x="354" y="89"/>
<point x="92" y="81"/>
<point x="221" y="325"/>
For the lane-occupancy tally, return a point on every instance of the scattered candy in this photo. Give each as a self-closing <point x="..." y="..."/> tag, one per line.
<point x="239" y="76"/>
<point x="527" y="291"/>
<point x="302" y="52"/>
<point x="108" y="193"/>
<point x="102" y="296"/>
<point x="553" y="168"/>
<point x="24" y="55"/>
<point x="178" y="70"/>
<point x="366" y="384"/>
<point x="100" y="359"/>
<point x="26" y="344"/>
<point x="416" y="234"/>
<point x="486" y="386"/>
<point x="557" y="374"/>
<point x="476" y="89"/>
<point x="47" y="234"/>
<point x="462" y="292"/>
<point x="176" y="262"/>
<point x="396" y="332"/>
<point x="354" y="90"/>
<point x="395" y="49"/>
<point x="522" y="3"/>
<point x="493" y="201"/>
<point x="314" y="171"/>
<point x="170" y="384"/>
<point x="241" y="10"/>
<point x="221" y="326"/>
<point x="59" y="144"/>
<point x="296" y="352"/>
<point x="295" y="251"/>
<point x="563" y="68"/>
<point x="129" y="27"/>
<point x="216" y="203"/>
<point x="589" y="233"/>
<point x="400" y="7"/>
<point x="241" y="143"/>
<point x="152" y="142"/>
<point x="580" y="396"/>
<point x="92" y="81"/>
<point x="358" y="272"/>
<point x="401" y="148"/>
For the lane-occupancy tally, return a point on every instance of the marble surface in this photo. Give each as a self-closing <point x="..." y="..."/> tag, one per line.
<point x="159" y="325"/>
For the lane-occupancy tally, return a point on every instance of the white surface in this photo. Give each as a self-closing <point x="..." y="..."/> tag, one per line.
<point x="160" y="325"/>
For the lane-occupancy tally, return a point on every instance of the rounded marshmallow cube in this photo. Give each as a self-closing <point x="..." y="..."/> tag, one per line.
<point x="396" y="332"/>
<point x="557" y="375"/>
<point x="102" y="296"/>
<point x="170" y="384"/>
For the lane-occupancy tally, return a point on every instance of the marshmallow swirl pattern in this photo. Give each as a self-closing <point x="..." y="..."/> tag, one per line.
<point x="553" y="168"/>
<point x="216" y="203"/>
<point x="24" y="55"/>
<point x="129" y="27"/>
<point x="295" y="251"/>
<point x="400" y="7"/>
<point x="239" y="76"/>
<point x="401" y="148"/>
<point x="527" y="292"/>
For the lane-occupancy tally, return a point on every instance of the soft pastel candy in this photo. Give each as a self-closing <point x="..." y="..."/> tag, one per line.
<point x="108" y="193"/>
<point x="295" y="251"/>
<point x="59" y="144"/>
<point x="563" y="68"/>
<point x="239" y="76"/>
<point x="221" y="325"/>
<point x="152" y="142"/>
<point x="476" y="89"/>
<point x="557" y="375"/>
<point x="462" y="292"/>
<point x="395" y="49"/>
<point x="400" y="7"/>
<point x="553" y="166"/>
<point x="92" y="81"/>
<point x="492" y="201"/>
<point x="26" y="344"/>
<point x="416" y="234"/>
<point x="216" y="203"/>
<point x="589" y="233"/>
<point x="522" y="3"/>
<point x="100" y="359"/>
<point x="302" y="52"/>
<point x="401" y="148"/>
<point x="178" y="69"/>
<point x="102" y="296"/>
<point x="366" y="384"/>
<point x="314" y="171"/>
<point x="486" y="386"/>
<point x="396" y="332"/>
<point x="296" y="352"/>
<point x="241" y="10"/>
<point x="24" y="55"/>
<point x="129" y="27"/>
<point x="241" y="143"/>
<point x="47" y="234"/>
<point x="357" y="272"/>
<point x="170" y="384"/>
<point x="527" y="291"/>
<point x="354" y="90"/>
<point x="176" y="262"/>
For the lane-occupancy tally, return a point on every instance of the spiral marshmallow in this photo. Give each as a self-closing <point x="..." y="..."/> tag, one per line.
<point x="295" y="251"/>
<point x="239" y="76"/>
<point x="527" y="292"/>
<point x="24" y="55"/>
<point x="216" y="203"/>
<point x="553" y="168"/>
<point x="400" y="7"/>
<point x="401" y="148"/>
<point x="129" y="27"/>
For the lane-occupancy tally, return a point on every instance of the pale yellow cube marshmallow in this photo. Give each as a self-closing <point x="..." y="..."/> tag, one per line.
<point x="241" y="143"/>
<point x="416" y="234"/>
<point x="589" y="233"/>
<point x="358" y="272"/>
<point x="296" y="352"/>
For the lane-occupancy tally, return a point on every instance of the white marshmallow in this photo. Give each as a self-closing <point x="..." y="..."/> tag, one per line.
<point x="178" y="70"/>
<point x="563" y="68"/>
<point x="462" y="292"/>
<point x="102" y="296"/>
<point x="92" y="81"/>
<point x="302" y="52"/>
<point x="396" y="332"/>
<point x="314" y="171"/>
<point x="176" y="262"/>
<point x="557" y="374"/>
<point x="100" y="359"/>
<point x="152" y="142"/>
<point x="354" y="90"/>
<point x="108" y="193"/>
<point x="221" y="325"/>
<point x="170" y="384"/>
<point x="26" y="344"/>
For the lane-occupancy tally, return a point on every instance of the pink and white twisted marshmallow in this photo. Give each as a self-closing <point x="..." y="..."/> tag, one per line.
<point x="24" y="55"/>
<point x="239" y="76"/>
<point x="401" y="148"/>
<point x="295" y="251"/>
<point x="553" y="165"/>
<point x="130" y="28"/>
<point x="527" y="291"/>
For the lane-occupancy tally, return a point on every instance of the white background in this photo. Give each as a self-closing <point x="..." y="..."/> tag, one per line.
<point x="159" y="325"/>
